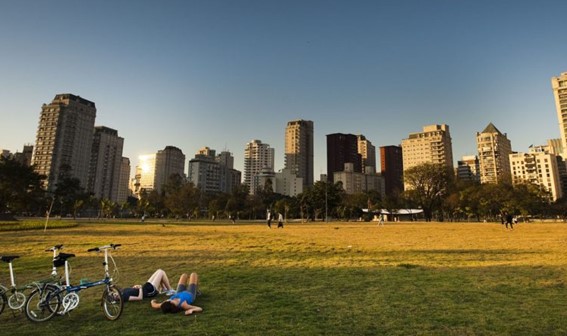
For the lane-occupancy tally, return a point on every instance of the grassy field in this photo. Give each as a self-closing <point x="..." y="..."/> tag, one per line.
<point x="315" y="279"/>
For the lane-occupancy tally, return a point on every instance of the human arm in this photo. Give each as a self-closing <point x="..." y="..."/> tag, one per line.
<point x="155" y="304"/>
<point x="140" y="295"/>
<point x="190" y="309"/>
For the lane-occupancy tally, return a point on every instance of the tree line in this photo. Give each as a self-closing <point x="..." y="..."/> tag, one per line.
<point x="432" y="188"/>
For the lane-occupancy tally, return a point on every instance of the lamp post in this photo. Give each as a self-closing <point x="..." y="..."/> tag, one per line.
<point x="326" y="200"/>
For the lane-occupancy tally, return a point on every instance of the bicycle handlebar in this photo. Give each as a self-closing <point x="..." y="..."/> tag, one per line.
<point x="105" y="247"/>
<point x="54" y="248"/>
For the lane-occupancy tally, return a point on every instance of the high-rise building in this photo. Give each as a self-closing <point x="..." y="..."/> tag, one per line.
<point x="494" y="151"/>
<point x="169" y="161"/>
<point x="257" y="157"/>
<point x="367" y="152"/>
<point x="559" y="86"/>
<point x="144" y="180"/>
<point x="433" y="145"/>
<point x="341" y="149"/>
<point x="123" y="189"/>
<point x="537" y="167"/>
<point x="64" y="138"/>
<point x="299" y="149"/>
<point x="392" y="168"/>
<point x="106" y="162"/>
<point x="468" y="168"/>
<point x="213" y="174"/>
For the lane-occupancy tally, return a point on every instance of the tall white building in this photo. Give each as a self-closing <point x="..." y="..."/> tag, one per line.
<point x="559" y="86"/>
<point x="106" y="163"/>
<point x="537" y="167"/>
<point x="433" y="145"/>
<point x="257" y="156"/>
<point x="494" y="149"/>
<point x="64" y="138"/>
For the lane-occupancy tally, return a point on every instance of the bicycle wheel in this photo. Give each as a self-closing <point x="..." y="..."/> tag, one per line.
<point x="3" y="300"/>
<point x="16" y="300"/>
<point x="43" y="303"/>
<point x="112" y="303"/>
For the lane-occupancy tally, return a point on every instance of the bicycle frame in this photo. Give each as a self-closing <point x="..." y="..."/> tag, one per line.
<point x="17" y="298"/>
<point x="71" y="298"/>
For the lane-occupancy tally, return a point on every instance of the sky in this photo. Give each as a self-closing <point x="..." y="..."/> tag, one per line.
<point x="214" y="73"/>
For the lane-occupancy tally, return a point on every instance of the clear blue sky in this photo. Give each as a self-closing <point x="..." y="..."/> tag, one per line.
<point x="221" y="73"/>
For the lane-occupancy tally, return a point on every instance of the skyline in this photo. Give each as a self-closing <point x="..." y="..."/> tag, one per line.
<point x="222" y="73"/>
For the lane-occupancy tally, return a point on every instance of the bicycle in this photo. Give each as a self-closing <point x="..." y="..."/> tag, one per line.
<point x="57" y="299"/>
<point x="17" y="297"/>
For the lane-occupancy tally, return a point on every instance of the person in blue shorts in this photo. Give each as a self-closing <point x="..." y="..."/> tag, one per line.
<point x="183" y="298"/>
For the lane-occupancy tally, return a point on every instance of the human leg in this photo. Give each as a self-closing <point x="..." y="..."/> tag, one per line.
<point x="160" y="280"/>
<point x="182" y="284"/>
<point x="193" y="284"/>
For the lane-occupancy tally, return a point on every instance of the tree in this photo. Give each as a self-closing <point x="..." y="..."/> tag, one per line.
<point x="20" y="187"/>
<point x="428" y="185"/>
<point x="68" y="190"/>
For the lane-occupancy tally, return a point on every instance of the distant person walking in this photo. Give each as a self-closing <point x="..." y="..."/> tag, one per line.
<point x="269" y="218"/>
<point x="509" y="221"/>
<point x="280" y="220"/>
<point x="381" y="220"/>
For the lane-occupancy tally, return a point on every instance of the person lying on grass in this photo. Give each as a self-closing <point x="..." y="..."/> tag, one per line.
<point x="157" y="283"/>
<point x="183" y="298"/>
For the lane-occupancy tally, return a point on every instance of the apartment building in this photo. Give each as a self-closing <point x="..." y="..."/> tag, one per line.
<point x="432" y="145"/>
<point x="64" y="139"/>
<point x="538" y="167"/>
<point x="257" y="157"/>
<point x="494" y="151"/>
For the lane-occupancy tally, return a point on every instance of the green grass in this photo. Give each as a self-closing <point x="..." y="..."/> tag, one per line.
<point x="21" y="225"/>
<point x="315" y="279"/>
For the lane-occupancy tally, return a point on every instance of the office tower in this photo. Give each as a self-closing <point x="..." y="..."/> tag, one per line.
<point x="468" y="168"/>
<point x="432" y="145"/>
<point x="144" y="180"/>
<point x="299" y="149"/>
<point x="169" y="161"/>
<point x="64" y="139"/>
<point x="494" y="149"/>
<point x="341" y="149"/>
<point x="106" y="162"/>
<point x="559" y="86"/>
<point x="230" y="177"/>
<point x="257" y="156"/>
<point x="123" y="189"/>
<point x="537" y="167"/>
<point x="392" y="168"/>
<point x="204" y="172"/>
<point x="367" y="152"/>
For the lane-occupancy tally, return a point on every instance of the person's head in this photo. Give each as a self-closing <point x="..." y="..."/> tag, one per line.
<point x="169" y="307"/>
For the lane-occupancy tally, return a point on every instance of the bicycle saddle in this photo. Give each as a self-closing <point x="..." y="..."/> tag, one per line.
<point x="9" y="258"/>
